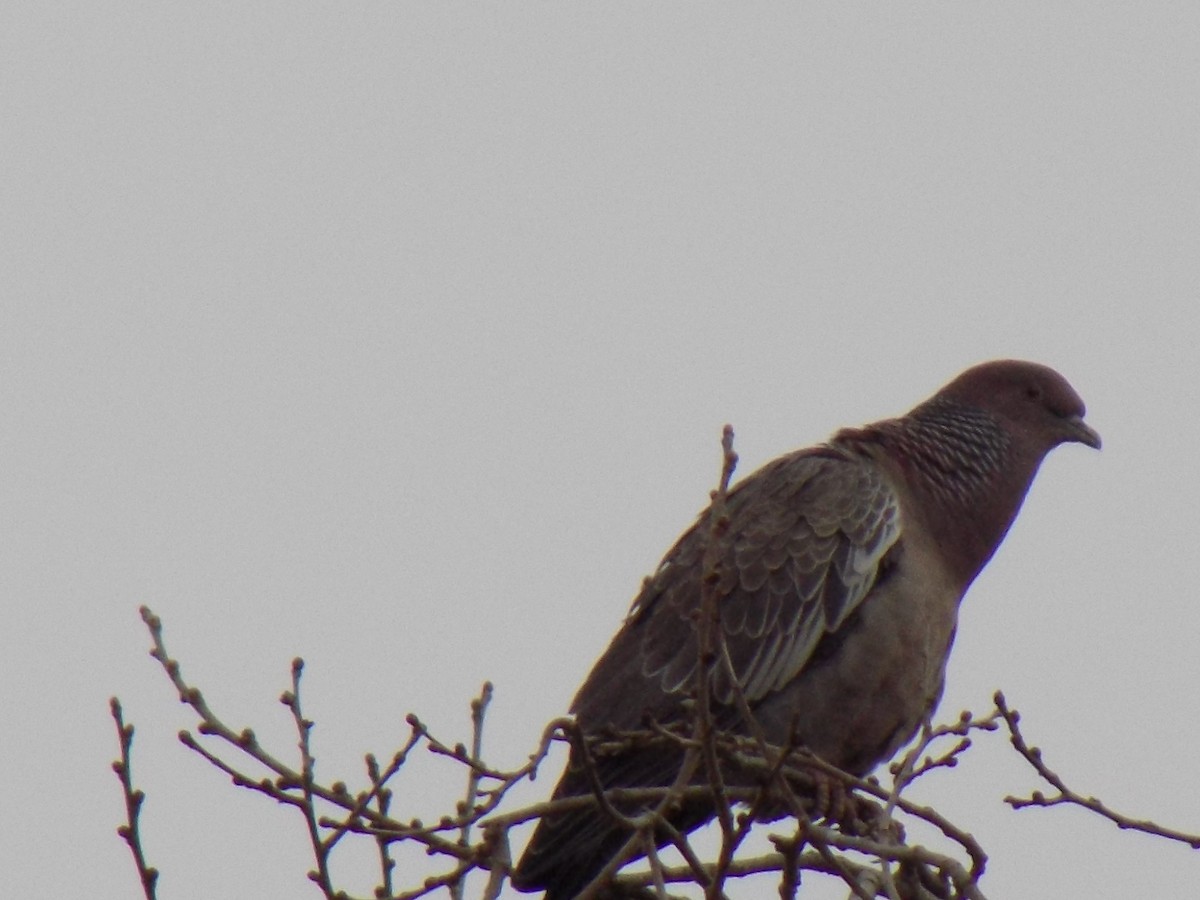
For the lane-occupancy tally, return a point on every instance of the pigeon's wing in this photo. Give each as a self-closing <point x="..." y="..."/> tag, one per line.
<point x="806" y="540"/>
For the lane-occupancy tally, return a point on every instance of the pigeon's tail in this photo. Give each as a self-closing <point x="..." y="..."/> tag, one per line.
<point x="569" y="849"/>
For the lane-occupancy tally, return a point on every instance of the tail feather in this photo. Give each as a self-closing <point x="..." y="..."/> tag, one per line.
<point x="568" y="850"/>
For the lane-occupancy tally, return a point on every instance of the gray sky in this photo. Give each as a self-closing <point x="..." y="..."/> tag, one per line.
<point x="401" y="337"/>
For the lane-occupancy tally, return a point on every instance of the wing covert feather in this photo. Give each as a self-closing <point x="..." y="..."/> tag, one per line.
<point x="807" y="534"/>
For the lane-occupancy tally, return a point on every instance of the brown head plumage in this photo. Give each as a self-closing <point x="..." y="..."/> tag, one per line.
<point x="971" y="451"/>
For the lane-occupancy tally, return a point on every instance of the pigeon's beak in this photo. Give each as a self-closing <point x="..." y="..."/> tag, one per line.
<point x="1079" y="430"/>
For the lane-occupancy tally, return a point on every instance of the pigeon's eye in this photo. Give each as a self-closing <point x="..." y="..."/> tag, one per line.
<point x="1033" y="392"/>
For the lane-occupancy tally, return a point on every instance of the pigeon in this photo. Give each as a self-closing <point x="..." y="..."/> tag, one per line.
<point x="838" y="575"/>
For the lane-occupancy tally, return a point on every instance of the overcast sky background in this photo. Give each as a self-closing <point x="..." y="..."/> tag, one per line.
<point x="400" y="337"/>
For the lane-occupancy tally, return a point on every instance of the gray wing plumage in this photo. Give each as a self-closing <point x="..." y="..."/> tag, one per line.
<point x="807" y="537"/>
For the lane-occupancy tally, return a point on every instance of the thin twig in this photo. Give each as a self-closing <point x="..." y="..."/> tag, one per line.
<point x="467" y="809"/>
<point x="709" y="638"/>
<point x="1033" y="756"/>
<point x="307" y="766"/>
<point x="383" y="799"/>
<point x="129" y="832"/>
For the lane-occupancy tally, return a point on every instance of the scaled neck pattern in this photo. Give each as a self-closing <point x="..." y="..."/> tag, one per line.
<point x="958" y="458"/>
<point x="957" y="451"/>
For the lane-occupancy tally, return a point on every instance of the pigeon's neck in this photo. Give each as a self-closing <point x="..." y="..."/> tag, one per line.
<point x="963" y="470"/>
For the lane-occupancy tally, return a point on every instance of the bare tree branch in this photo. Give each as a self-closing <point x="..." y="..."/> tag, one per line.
<point x="1033" y="756"/>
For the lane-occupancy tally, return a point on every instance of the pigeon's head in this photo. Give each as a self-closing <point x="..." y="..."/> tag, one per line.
<point x="1034" y="405"/>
